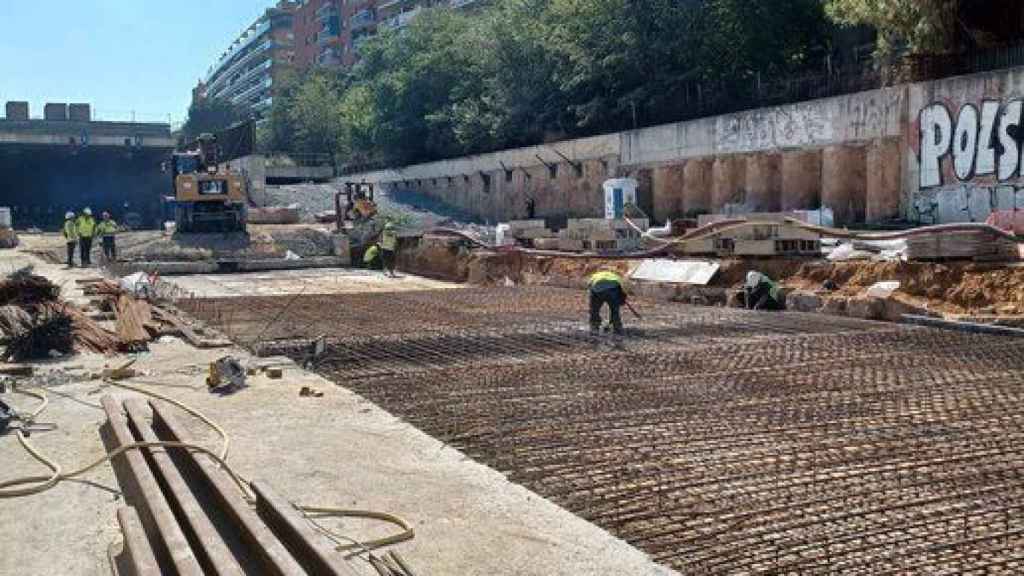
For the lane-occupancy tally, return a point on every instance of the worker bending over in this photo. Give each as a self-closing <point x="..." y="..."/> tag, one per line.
<point x="106" y="229"/>
<point x="606" y="288"/>
<point x="389" y="248"/>
<point x="86" y="232"/>
<point x="761" y="293"/>
<point x="70" y="232"/>
<point x="371" y="258"/>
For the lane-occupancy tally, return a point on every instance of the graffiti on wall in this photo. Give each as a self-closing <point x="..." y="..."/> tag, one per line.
<point x="981" y="141"/>
<point x="780" y="127"/>
<point x="970" y="161"/>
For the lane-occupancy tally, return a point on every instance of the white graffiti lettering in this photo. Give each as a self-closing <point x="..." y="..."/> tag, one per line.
<point x="981" y="143"/>
<point x="1009" y="157"/>
<point x="936" y="138"/>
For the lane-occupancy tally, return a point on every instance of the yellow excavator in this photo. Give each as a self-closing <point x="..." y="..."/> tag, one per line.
<point x="207" y="198"/>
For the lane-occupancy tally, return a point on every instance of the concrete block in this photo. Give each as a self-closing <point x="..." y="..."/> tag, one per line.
<point x="802" y="301"/>
<point x="53" y="111"/>
<point x="697" y="184"/>
<point x="534" y="233"/>
<point x="79" y="112"/>
<point x="728" y="178"/>
<point x="667" y="189"/>
<point x="835" y="305"/>
<point x="884" y="178"/>
<point x="567" y="245"/>
<point x="864" y="307"/>
<point x="764" y="182"/>
<point x="844" y="183"/>
<point x="547" y="243"/>
<point x="801" y="180"/>
<point x="17" y="111"/>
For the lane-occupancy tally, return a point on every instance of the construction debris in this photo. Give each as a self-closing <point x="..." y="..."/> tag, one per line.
<point x="23" y="288"/>
<point x="226" y="375"/>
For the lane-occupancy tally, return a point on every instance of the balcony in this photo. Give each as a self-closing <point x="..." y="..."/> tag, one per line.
<point x="326" y="12"/>
<point x="401" y="20"/>
<point x="362" y="19"/>
<point x="325" y="36"/>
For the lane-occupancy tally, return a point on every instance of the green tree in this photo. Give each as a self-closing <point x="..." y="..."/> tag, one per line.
<point x="209" y="115"/>
<point x="923" y="26"/>
<point x="315" y="114"/>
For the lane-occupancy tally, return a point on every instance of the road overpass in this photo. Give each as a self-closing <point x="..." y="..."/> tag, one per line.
<point x="66" y="161"/>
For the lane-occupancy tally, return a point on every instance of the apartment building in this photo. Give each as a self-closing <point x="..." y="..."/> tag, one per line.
<point x="246" y="72"/>
<point x="331" y="32"/>
<point x="302" y="34"/>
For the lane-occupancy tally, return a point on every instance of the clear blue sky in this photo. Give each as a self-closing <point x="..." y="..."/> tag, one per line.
<point x="118" y="55"/>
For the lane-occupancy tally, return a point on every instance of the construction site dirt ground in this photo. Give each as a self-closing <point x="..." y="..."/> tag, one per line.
<point x="338" y="449"/>
<point x="708" y="440"/>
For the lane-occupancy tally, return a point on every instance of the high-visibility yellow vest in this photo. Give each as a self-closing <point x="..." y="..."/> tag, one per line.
<point x="389" y="240"/>
<point x="106" y="228"/>
<point x="371" y="254"/>
<point x="70" y="230"/>
<point x="605" y="276"/>
<point x="86" y="226"/>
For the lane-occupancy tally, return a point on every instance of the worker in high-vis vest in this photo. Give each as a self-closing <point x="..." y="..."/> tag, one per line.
<point x="86" y="231"/>
<point x="761" y="293"/>
<point x="389" y="248"/>
<point x="606" y="288"/>
<point x="70" y="232"/>
<point x="107" y="229"/>
<point x="371" y="258"/>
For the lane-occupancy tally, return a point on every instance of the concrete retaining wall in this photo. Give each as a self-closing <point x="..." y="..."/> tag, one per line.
<point x="943" y="151"/>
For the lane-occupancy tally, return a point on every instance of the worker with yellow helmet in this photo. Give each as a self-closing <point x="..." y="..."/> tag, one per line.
<point x="389" y="248"/>
<point x="606" y="288"/>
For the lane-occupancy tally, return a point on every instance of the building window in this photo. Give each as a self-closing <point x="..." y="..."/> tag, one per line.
<point x="508" y="175"/>
<point x="487" y="182"/>
<point x="553" y="171"/>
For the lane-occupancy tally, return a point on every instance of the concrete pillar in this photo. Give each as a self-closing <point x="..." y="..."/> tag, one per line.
<point x="697" y="184"/>
<point x="801" y="180"/>
<point x="885" y="175"/>
<point x="764" y="182"/>
<point x="667" y="188"/>
<point x="728" y="178"/>
<point x="844" y="182"/>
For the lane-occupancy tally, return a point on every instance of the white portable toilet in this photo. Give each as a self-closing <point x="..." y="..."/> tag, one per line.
<point x="617" y="193"/>
<point x="5" y="218"/>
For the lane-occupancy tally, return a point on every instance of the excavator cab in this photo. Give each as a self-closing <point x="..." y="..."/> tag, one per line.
<point x="207" y="198"/>
<point x="359" y="203"/>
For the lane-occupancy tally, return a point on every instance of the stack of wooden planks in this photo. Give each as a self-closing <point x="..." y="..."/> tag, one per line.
<point x="977" y="242"/>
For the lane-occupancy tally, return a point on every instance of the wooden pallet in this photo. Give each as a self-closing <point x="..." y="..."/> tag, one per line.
<point x="186" y="516"/>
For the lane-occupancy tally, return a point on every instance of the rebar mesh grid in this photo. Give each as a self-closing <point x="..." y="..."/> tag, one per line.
<point x="720" y="441"/>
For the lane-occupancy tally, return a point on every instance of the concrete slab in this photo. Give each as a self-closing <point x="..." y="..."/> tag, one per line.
<point x="307" y="282"/>
<point x="336" y="450"/>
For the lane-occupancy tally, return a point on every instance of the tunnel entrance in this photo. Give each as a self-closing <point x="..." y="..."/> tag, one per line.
<point x="42" y="182"/>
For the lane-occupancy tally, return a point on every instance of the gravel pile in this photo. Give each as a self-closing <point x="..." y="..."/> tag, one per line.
<point x="304" y="242"/>
<point x="310" y="198"/>
<point x="413" y="209"/>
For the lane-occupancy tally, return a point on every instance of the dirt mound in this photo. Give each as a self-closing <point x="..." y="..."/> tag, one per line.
<point x="259" y="244"/>
<point x="953" y="287"/>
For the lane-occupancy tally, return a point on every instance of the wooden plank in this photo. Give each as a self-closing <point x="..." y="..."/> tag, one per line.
<point x="218" y="557"/>
<point x="312" y="549"/>
<point x="271" y="552"/>
<point x="138" y="554"/>
<point x="187" y="333"/>
<point x="131" y="320"/>
<point x="153" y="509"/>
<point x="15" y="369"/>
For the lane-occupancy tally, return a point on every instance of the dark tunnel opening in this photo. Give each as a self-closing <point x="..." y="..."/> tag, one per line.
<point x="41" y="183"/>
